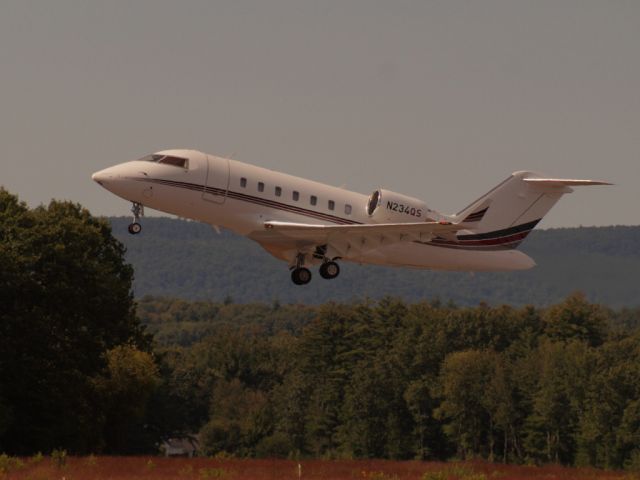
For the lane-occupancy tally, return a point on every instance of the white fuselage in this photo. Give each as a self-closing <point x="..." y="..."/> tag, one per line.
<point x="242" y="197"/>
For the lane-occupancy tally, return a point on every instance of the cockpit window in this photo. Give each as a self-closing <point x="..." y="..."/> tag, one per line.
<point x="167" y="159"/>
<point x="176" y="161"/>
<point x="151" y="158"/>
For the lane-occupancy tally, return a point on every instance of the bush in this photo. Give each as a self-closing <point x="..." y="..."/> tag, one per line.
<point x="59" y="457"/>
<point x="633" y="464"/>
<point x="456" y="471"/>
<point x="277" y="445"/>
<point x="9" y="463"/>
<point x="436" y="475"/>
<point x="213" y="473"/>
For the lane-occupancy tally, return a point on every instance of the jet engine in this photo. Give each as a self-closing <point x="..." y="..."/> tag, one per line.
<point x="385" y="206"/>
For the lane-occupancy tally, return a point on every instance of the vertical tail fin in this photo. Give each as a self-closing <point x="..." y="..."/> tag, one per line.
<point x="507" y="213"/>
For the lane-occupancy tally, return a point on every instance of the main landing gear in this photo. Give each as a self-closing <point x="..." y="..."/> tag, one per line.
<point x="301" y="275"/>
<point x="329" y="270"/>
<point x="138" y="211"/>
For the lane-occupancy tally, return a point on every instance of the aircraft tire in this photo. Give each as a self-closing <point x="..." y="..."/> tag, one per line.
<point x="301" y="276"/>
<point x="329" y="270"/>
<point x="135" y="228"/>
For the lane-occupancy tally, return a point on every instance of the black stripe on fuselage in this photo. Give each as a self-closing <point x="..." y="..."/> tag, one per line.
<point x="500" y="233"/>
<point x="253" y="199"/>
<point x="505" y="239"/>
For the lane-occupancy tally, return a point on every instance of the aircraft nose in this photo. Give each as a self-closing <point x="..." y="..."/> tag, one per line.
<point x="97" y="177"/>
<point x="117" y="180"/>
<point x="103" y="176"/>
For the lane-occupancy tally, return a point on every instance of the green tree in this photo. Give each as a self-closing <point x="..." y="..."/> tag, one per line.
<point x="610" y="420"/>
<point x="291" y="401"/>
<point x="65" y="296"/>
<point x="237" y="421"/>
<point x="629" y="434"/>
<point x="560" y="395"/>
<point x="364" y="428"/>
<point x="5" y="417"/>
<point x="465" y="378"/>
<point x="498" y="400"/>
<point x="576" y="319"/>
<point x="125" y="388"/>
<point x="328" y="352"/>
<point x="421" y="402"/>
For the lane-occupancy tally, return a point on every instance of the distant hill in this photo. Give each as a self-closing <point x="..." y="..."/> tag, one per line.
<point x="190" y="260"/>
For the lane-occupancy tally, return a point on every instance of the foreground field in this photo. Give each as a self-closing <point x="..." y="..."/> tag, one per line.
<point x="140" y="468"/>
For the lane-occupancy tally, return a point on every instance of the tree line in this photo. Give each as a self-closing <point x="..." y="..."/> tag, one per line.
<point x="84" y="367"/>
<point x="389" y="379"/>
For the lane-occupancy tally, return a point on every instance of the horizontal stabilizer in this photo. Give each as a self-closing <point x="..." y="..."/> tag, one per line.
<point x="563" y="182"/>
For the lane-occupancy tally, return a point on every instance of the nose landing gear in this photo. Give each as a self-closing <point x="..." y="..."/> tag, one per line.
<point x="138" y="211"/>
<point x="134" y="228"/>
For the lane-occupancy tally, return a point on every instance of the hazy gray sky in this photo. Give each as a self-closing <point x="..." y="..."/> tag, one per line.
<point x="436" y="99"/>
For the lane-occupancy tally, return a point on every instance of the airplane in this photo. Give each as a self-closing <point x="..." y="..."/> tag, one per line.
<point x="307" y="223"/>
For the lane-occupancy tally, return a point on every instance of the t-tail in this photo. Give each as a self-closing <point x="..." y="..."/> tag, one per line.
<point x="503" y="217"/>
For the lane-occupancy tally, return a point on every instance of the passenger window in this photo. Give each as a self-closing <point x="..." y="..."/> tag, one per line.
<point x="313" y="200"/>
<point x="296" y="196"/>
<point x="278" y="191"/>
<point x="347" y="209"/>
<point x="260" y="187"/>
<point x="332" y="205"/>
<point x="243" y="182"/>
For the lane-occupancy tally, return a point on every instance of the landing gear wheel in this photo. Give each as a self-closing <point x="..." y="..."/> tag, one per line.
<point x="135" y="228"/>
<point x="329" y="270"/>
<point x="301" y="276"/>
<point x="138" y="211"/>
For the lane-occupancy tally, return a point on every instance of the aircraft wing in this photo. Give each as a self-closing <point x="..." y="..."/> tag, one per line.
<point x="361" y="237"/>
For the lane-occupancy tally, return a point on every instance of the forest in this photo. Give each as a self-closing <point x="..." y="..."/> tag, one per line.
<point x="390" y="379"/>
<point x="88" y="368"/>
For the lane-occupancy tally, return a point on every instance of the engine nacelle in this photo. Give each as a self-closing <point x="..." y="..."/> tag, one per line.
<point x="385" y="206"/>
